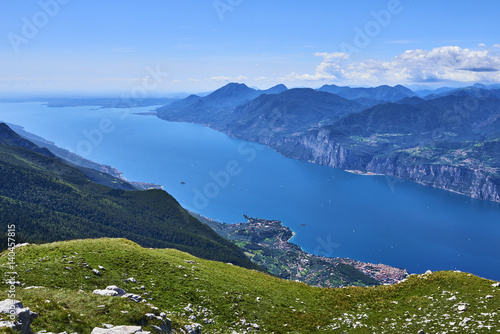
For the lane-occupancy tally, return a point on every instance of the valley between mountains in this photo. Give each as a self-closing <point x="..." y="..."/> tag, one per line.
<point x="448" y="140"/>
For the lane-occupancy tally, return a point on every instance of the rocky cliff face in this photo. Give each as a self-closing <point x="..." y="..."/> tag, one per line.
<point x="474" y="183"/>
<point x="320" y="148"/>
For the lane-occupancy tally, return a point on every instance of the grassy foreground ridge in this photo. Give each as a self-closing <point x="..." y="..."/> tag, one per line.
<point x="223" y="297"/>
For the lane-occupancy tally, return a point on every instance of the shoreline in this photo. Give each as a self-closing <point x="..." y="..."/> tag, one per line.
<point x="268" y="244"/>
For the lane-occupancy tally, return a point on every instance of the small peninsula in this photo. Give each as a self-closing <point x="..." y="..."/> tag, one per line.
<point x="266" y="243"/>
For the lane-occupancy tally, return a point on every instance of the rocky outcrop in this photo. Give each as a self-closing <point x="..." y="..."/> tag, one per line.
<point x="114" y="291"/>
<point x="120" y="330"/>
<point x="21" y="317"/>
<point x="111" y="290"/>
<point x="474" y="183"/>
<point x="319" y="147"/>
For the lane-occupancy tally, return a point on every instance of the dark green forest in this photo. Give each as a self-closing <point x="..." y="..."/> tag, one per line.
<point x="48" y="200"/>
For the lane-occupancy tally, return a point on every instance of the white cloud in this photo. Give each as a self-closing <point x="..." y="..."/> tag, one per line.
<point x="496" y="46"/>
<point x="448" y="63"/>
<point x="482" y="45"/>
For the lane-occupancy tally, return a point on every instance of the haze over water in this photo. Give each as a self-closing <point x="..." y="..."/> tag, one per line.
<point x="367" y="218"/>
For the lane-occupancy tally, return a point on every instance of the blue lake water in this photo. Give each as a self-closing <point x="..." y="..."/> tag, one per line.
<point x="368" y="218"/>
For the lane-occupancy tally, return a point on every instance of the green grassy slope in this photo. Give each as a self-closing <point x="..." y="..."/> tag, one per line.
<point x="233" y="297"/>
<point x="49" y="201"/>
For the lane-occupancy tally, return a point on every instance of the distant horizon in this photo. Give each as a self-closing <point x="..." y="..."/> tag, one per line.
<point x="152" y="48"/>
<point x="181" y="94"/>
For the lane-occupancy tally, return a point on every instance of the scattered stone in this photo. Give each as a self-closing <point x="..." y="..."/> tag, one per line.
<point x="189" y="261"/>
<point x="453" y="298"/>
<point x="462" y="308"/>
<point x="255" y="326"/>
<point x="193" y="329"/>
<point x="465" y="321"/>
<point x="97" y="272"/>
<point x="421" y="331"/>
<point x="131" y="279"/>
<point x="68" y="268"/>
<point x="21" y="317"/>
<point x="496" y="285"/>
<point x="111" y="290"/>
<point x="428" y="272"/>
<point x="34" y="287"/>
<point x="119" y="330"/>
<point x="101" y="267"/>
<point x="133" y="297"/>
<point x="488" y="297"/>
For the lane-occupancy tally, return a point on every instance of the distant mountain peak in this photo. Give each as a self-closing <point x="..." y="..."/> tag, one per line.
<point x="383" y="92"/>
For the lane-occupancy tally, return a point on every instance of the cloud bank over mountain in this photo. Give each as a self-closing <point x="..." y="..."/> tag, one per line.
<point x="447" y="63"/>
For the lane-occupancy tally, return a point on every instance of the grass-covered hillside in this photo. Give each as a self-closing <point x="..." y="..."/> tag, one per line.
<point x="48" y="200"/>
<point x="223" y="298"/>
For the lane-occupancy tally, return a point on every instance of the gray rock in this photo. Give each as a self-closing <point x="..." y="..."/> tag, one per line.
<point x="255" y="326"/>
<point x="97" y="272"/>
<point x="193" y="329"/>
<point x="21" y="317"/>
<point x="119" y="330"/>
<point x="133" y="297"/>
<point x="111" y="290"/>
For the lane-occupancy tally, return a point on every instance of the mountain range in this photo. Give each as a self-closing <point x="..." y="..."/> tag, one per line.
<point x="447" y="139"/>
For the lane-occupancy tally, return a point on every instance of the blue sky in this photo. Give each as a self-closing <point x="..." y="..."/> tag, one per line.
<point x="154" y="47"/>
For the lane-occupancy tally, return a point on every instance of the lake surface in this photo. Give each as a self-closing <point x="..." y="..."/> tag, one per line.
<point x="368" y="218"/>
